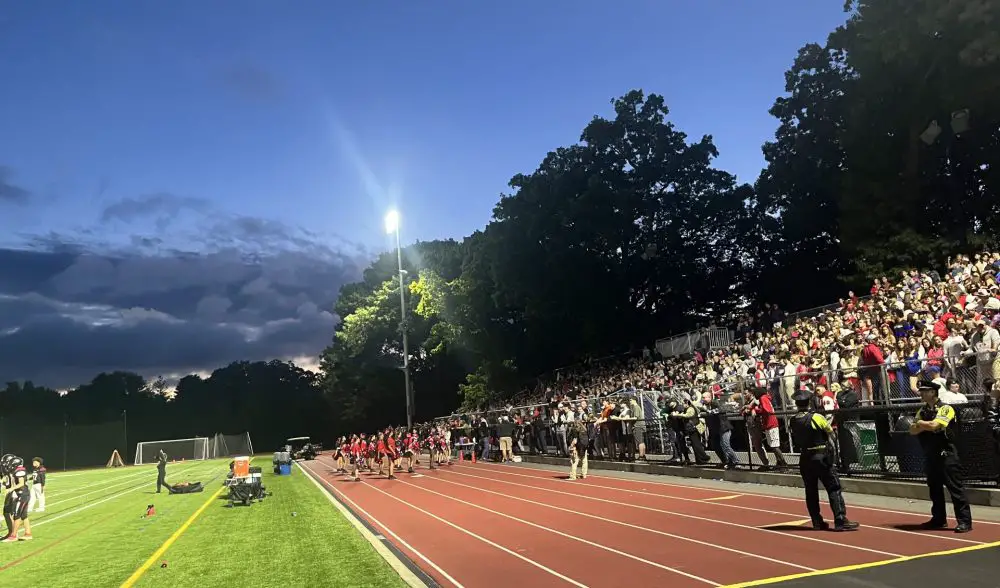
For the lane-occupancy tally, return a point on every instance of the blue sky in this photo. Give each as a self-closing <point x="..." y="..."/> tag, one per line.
<point x="268" y="108"/>
<point x="134" y="129"/>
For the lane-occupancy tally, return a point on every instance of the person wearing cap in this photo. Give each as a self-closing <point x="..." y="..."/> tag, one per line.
<point x="811" y="432"/>
<point x="935" y="429"/>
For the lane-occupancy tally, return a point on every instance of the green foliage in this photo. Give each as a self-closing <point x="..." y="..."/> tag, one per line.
<point x="632" y="234"/>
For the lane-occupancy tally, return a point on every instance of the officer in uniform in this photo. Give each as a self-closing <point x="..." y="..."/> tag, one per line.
<point x="811" y="433"/>
<point x="935" y="428"/>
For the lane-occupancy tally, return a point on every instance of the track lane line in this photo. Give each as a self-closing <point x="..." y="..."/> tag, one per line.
<point x="531" y="467"/>
<point x="742" y="553"/>
<point x="706" y="519"/>
<point x="566" y="535"/>
<point x="716" y="502"/>
<point x="478" y="537"/>
<point x="331" y="488"/>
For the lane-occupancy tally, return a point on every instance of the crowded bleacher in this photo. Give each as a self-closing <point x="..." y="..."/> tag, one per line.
<point x="863" y="351"/>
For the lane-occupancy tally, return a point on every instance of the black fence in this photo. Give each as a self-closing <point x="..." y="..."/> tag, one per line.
<point x="874" y="442"/>
<point x="63" y="446"/>
<point x="870" y="442"/>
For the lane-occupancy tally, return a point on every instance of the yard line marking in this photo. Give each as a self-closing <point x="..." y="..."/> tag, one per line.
<point x="59" y="489"/>
<point x="730" y="497"/>
<point x="568" y="536"/>
<point x="90" y="505"/>
<point x="481" y="538"/>
<point x="131" y="580"/>
<point x="741" y="552"/>
<point x="709" y="489"/>
<point x="687" y="516"/>
<point x="394" y="562"/>
<point x="76" y="496"/>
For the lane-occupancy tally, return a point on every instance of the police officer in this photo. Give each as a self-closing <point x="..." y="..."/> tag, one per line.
<point x="935" y="428"/>
<point x="811" y="433"/>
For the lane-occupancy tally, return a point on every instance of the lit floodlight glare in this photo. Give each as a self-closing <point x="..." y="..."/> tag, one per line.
<point x="392" y="221"/>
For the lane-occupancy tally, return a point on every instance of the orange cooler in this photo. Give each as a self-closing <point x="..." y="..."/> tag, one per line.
<point x="241" y="467"/>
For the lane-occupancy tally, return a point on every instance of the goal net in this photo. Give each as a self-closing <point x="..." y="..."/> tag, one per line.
<point x="176" y="449"/>
<point x="223" y="445"/>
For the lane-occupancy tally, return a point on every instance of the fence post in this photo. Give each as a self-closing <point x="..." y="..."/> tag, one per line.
<point x="65" y="431"/>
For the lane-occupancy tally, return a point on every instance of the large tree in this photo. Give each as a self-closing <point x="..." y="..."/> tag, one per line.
<point x="857" y="184"/>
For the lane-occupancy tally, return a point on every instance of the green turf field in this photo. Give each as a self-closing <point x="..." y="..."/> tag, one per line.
<point x="93" y="533"/>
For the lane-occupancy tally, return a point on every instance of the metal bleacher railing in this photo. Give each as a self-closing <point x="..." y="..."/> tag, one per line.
<point x="709" y="338"/>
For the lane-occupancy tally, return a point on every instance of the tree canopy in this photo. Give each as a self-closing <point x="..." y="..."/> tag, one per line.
<point x="633" y="232"/>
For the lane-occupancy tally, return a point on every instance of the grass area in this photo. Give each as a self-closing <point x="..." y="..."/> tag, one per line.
<point x="93" y="533"/>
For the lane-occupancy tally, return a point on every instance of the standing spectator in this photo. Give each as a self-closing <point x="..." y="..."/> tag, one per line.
<point x="762" y="409"/>
<point x="37" y="503"/>
<point x="639" y="428"/>
<point x="870" y="368"/>
<point x="578" y="449"/>
<point x="720" y="431"/>
<point x="505" y="433"/>
<point x="985" y="343"/>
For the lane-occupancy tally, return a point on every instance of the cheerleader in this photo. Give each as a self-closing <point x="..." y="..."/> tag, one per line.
<point x="356" y="453"/>
<point x="340" y="454"/>
<point x="443" y="446"/>
<point x="391" y="454"/>
<point x="373" y="454"/>
<point x="363" y="452"/>
<point x="412" y="447"/>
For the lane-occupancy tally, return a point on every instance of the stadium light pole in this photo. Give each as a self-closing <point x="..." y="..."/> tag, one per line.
<point x="392" y="226"/>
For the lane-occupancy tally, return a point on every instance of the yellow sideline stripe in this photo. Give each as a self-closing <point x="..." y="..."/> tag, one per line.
<point x="170" y="541"/>
<point x="855" y="567"/>
<point x="730" y="497"/>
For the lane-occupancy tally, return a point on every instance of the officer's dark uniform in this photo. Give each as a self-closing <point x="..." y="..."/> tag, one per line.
<point x="941" y="461"/>
<point x="811" y="433"/>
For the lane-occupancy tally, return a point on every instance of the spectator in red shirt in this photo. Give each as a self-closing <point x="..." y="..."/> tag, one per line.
<point x="870" y="368"/>
<point x="762" y="409"/>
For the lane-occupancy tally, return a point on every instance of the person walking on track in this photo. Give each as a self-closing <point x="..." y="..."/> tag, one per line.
<point x="161" y="471"/>
<point x="578" y="442"/>
<point x="811" y="432"/>
<point x="935" y="429"/>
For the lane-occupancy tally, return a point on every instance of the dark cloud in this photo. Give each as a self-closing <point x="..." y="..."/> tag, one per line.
<point x="251" y="81"/>
<point x="10" y="192"/>
<point x="255" y="289"/>
<point x="162" y="206"/>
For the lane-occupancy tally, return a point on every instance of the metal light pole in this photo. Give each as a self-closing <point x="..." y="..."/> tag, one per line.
<point x="392" y="226"/>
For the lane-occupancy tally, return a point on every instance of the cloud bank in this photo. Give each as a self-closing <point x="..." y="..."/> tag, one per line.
<point x="214" y="290"/>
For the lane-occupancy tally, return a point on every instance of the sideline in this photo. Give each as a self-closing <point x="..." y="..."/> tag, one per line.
<point x="395" y="562"/>
<point x="137" y="574"/>
<point x="864" y="566"/>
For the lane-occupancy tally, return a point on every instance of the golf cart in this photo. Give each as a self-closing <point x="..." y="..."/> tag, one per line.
<point x="302" y="448"/>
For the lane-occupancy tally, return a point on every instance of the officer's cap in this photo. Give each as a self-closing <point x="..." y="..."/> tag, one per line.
<point x="927" y="387"/>
<point x="802" y="398"/>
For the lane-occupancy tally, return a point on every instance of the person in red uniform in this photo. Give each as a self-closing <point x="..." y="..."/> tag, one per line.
<point x="412" y="449"/>
<point x="373" y="453"/>
<point x="356" y="453"/>
<point x="391" y="454"/>
<point x="363" y="452"/>
<point x="380" y="452"/>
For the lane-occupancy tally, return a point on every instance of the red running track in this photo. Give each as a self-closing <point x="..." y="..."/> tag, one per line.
<point x="469" y="524"/>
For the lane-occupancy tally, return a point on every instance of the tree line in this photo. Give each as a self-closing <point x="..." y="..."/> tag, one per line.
<point x="885" y="157"/>
<point x="270" y="400"/>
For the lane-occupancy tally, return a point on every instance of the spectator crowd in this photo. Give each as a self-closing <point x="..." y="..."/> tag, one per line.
<point x="915" y="327"/>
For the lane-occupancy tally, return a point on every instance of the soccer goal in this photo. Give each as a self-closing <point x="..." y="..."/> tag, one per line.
<point x="230" y="445"/>
<point x="176" y="449"/>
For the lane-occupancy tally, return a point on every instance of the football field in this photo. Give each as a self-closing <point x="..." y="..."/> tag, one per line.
<point x="94" y="532"/>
